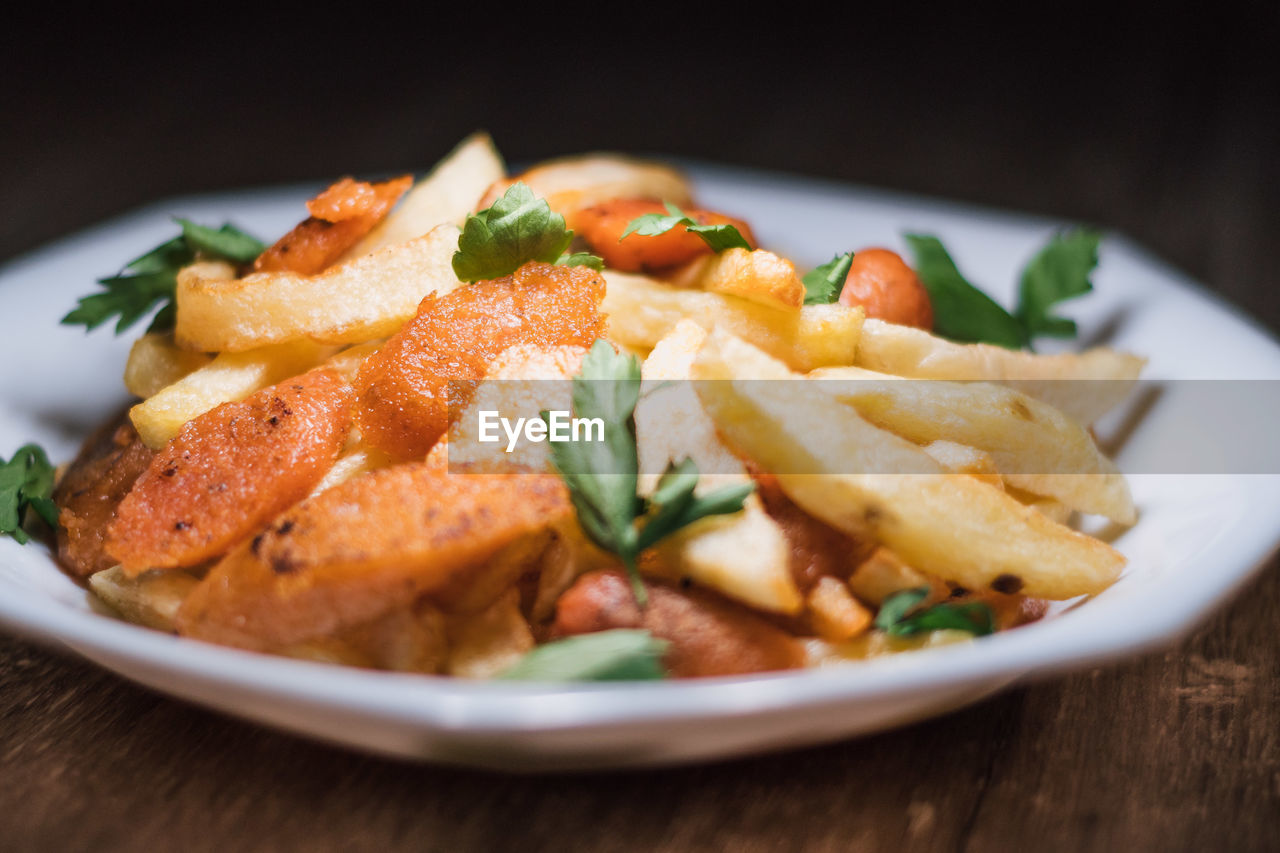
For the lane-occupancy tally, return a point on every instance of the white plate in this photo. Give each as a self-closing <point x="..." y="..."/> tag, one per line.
<point x="1200" y="537"/>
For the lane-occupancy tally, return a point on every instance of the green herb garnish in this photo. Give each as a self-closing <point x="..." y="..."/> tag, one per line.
<point x="602" y="476"/>
<point x="516" y="229"/>
<point x="26" y="481"/>
<point x="618" y="655"/>
<point x="151" y="280"/>
<point x="718" y="237"/>
<point x="962" y="312"/>
<point x="1058" y="272"/>
<point x="581" y="259"/>
<point x="899" y="615"/>
<point x="822" y="284"/>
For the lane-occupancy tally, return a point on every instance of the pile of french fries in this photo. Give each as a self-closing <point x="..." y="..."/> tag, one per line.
<point x="966" y="480"/>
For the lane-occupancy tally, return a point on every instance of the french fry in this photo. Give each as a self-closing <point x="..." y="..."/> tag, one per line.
<point x="445" y="196"/>
<point x="952" y="526"/>
<point x="835" y="614"/>
<point x="758" y="275"/>
<point x="883" y="574"/>
<point x="744" y="555"/>
<point x="572" y="183"/>
<point x="1034" y="446"/>
<point x="642" y="311"/>
<point x="356" y="459"/>
<point x="230" y="376"/>
<point x="150" y="599"/>
<point x="521" y="382"/>
<point x="366" y="298"/>
<point x="156" y="362"/>
<point x="484" y="644"/>
<point x="961" y="459"/>
<point x="1103" y="377"/>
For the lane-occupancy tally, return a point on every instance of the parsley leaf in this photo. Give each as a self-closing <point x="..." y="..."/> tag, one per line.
<point x="151" y="279"/>
<point x="617" y="655"/>
<point x="228" y="242"/>
<point x="517" y="229"/>
<point x="26" y="480"/>
<point x="602" y="476"/>
<point x="678" y="507"/>
<point x="961" y="311"/>
<point x="718" y="237"/>
<point x="1058" y="272"/>
<point x="822" y="284"/>
<point x="581" y="259"/>
<point x="896" y="616"/>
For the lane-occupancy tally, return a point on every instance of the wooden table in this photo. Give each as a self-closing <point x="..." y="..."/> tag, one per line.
<point x="1173" y="145"/>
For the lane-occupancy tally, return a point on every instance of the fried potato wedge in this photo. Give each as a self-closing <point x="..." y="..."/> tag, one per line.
<point x="952" y="526"/>
<point x="443" y="197"/>
<point x="1034" y="446"/>
<point x="744" y="556"/>
<point x="151" y="599"/>
<point x="642" y="311"/>
<point x="573" y="183"/>
<point x="156" y="362"/>
<point x="759" y="276"/>
<point x="229" y="377"/>
<point x="365" y="547"/>
<point x="1100" y="378"/>
<point x="354" y="302"/>
<point x="230" y="471"/>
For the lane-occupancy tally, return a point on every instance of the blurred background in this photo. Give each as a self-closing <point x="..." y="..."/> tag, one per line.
<point x="1161" y="125"/>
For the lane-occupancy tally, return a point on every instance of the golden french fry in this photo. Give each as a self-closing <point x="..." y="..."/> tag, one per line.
<point x="882" y="574"/>
<point x="150" y="599"/>
<point x="231" y="376"/>
<point x="521" y="382"/>
<point x="445" y="196"/>
<point x="155" y="362"/>
<point x="1035" y="447"/>
<point x="572" y="183"/>
<point x="835" y="614"/>
<point x="962" y="459"/>
<point x="356" y="459"/>
<point x="366" y="298"/>
<point x="642" y="311"/>
<point x="484" y="644"/>
<point x="759" y="276"/>
<point x="1102" y="377"/>
<point x="952" y="526"/>
<point x="746" y="555"/>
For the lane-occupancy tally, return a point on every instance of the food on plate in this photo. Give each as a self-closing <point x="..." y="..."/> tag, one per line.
<point x="578" y="424"/>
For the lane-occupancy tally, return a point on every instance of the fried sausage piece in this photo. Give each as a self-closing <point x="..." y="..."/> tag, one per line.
<point x="603" y="225"/>
<point x="708" y="635"/>
<point x="87" y="496"/>
<point x="882" y="283"/>
<point x="229" y="471"/>
<point x="405" y="387"/>
<point x="364" y="547"/>
<point x="340" y="217"/>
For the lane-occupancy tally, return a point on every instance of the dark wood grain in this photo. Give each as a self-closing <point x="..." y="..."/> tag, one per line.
<point x="1165" y="129"/>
